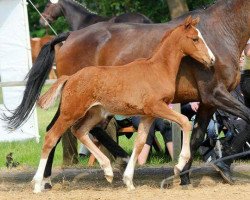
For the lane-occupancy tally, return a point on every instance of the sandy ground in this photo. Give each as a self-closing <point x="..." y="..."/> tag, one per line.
<point x="91" y="184"/>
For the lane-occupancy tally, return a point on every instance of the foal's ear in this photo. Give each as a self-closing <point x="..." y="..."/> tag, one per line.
<point x="188" y="22"/>
<point x="195" y="21"/>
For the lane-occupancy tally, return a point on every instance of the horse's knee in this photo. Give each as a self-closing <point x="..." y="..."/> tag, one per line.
<point x="186" y="125"/>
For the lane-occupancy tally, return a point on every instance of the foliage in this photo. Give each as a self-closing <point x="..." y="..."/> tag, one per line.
<point x="36" y="30"/>
<point x="195" y="4"/>
<point x="156" y="10"/>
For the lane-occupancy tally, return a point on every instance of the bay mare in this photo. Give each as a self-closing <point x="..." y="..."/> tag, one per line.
<point x="78" y="16"/>
<point x="226" y="28"/>
<point x="89" y="96"/>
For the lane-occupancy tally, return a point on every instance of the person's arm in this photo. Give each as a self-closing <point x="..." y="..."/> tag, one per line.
<point x="247" y="49"/>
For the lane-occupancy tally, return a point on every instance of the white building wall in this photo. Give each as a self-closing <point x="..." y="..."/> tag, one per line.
<point x="15" y="62"/>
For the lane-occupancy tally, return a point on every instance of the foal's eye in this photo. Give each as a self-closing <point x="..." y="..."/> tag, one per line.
<point x="195" y="39"/>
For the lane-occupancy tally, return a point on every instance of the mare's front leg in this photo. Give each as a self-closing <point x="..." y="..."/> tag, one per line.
<point x="143" y="130"/>
<point x="202" y="119"/>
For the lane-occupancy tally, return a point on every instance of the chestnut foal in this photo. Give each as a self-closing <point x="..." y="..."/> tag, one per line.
<point x="143" y="87"/>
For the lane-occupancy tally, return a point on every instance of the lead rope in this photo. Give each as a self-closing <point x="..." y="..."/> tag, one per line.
<point x="43" y="18"/>
<point x="166" y="180"/>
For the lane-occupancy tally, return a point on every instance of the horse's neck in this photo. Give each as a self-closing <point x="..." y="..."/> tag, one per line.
<point x="76" y="17"/>
<point x="230" y="25"/>
<point x="168" y="57"/>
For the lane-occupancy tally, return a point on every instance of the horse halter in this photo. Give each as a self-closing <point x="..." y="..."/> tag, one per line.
<point x="54" y="1"/>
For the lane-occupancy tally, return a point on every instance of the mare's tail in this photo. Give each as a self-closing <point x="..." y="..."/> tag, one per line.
<point x="35" y="81"/>
<point x="49" y="98"/>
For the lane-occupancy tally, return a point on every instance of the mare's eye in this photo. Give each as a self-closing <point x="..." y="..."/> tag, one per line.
<point x="195" y="39"/>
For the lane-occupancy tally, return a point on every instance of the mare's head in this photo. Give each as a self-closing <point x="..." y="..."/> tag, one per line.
<point x="51" y="12"/>
<point x="192" y="43"/>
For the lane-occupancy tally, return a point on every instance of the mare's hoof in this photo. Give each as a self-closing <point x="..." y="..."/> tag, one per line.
<point x="47" y="186"/>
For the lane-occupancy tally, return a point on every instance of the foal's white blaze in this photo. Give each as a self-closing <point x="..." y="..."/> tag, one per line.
<point x="210" y="53"/>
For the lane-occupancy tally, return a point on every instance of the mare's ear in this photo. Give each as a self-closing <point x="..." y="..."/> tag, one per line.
<point x="195" y="21"/>
<point x="188" y="22"/>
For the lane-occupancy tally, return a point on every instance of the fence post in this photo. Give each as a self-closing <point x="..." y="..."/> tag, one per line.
<point x="176" y="135"/>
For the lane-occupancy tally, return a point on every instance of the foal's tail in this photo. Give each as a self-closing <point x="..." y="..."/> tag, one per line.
<point x="48" y="99"/>
<point x="35" y="80"/>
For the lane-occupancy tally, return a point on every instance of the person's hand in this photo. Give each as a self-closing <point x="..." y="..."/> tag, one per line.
<point x="242" y="60"/>
<point x="195" y="106"/>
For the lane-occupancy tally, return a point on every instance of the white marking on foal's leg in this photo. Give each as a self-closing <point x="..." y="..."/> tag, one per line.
<point x="129" y="172"/>
<point x="38" y="178"/>
<point x="210" y="53"/>
<point x="101" y="158"/>
<point x="185" y="153"/>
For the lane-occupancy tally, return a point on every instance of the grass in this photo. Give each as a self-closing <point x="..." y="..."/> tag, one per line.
<point x="27" y="153"/>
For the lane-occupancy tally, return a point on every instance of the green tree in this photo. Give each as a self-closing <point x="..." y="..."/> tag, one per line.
<point x="156" y="10"/>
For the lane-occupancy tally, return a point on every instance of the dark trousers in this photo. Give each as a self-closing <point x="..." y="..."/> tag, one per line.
<point x="242" y="128"/>
<point x="157" y="125"/>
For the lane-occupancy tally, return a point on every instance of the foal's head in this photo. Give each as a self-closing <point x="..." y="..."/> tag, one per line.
<point x="51" y="12"/>
<point x="192" y="43"/>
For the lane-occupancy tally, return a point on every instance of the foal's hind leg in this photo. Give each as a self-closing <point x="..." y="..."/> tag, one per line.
<point x="51" y="138"/>
<point x="81" y="130"/>
<point x="161" y="109"/>
<point x="143" y="130"/>
<point x="46" y="184"/>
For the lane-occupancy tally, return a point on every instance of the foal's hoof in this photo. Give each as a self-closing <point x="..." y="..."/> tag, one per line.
<point x="109" y="178"/>
<point x="177" y="171"/>
<point x="129" y="183"/>
<point x="37" y="188"/>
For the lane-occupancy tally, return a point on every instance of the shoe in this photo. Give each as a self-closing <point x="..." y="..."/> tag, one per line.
<point x="208" y="154"/>
<point x="224" y="170"/>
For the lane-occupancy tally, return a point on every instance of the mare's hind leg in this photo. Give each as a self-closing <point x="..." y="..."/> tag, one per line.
<point x="51" y="138"/>
<point x="81" y="130"/>
<point x="161" y="110"/>
<point x="143" y="130"/>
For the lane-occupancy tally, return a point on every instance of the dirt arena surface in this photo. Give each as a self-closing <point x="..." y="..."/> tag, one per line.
<point x="91" y="184"/>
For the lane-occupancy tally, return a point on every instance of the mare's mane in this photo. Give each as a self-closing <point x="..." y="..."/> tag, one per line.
<point x="166" y="35"/>
<point x="79" y="6"/>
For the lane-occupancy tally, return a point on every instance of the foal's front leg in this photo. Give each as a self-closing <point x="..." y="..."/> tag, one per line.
<point x="143" y="130"/>
<point x="161" y="110"/>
